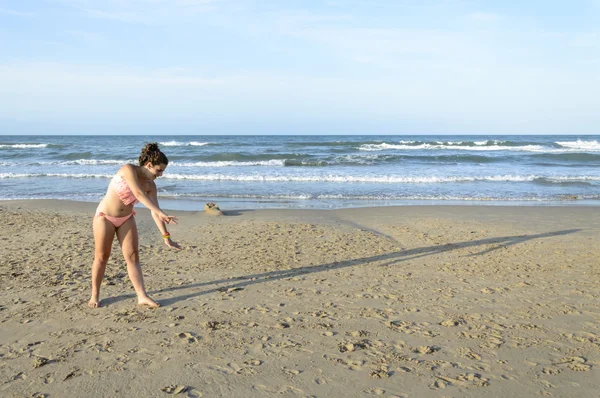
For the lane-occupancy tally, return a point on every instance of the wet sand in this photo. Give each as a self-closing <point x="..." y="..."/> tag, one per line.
<point x="411" y="301"/>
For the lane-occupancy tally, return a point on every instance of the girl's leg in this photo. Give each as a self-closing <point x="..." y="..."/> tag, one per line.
<point x="128" y="238"/>
<point x="104" y="232"/>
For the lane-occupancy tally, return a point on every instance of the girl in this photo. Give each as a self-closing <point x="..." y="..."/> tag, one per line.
<point x="114" y="215"/>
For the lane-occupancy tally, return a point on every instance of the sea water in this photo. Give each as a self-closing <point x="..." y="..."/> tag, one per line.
<point x="319" y="172"/>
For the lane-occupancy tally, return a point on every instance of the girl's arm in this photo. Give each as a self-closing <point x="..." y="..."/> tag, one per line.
<point x="159" y="223"/>
<point x="130" y="177"/>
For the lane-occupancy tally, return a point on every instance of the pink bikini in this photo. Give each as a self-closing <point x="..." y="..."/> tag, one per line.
<point x="127" y="197"/>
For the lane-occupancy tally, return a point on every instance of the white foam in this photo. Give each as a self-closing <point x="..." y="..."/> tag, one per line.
<point x="567" y="146"/>
<point x="327" y="178"/>
<point x="179" y="143"/>
<point x="452" y="143"/>
<point x="574" y="178"/>
<point x="236" y="196"/>
<point x="227" y="163"/>
<point x="422" y="197"/>
<point x="94" y="162"/>
<point x="81" y="162"/>
<point x="172" y="143"/>
<point x="480" y="147"/>
<point x="359" y="158"/>
<point x="350" y="179"/>
<point x="61" y="175"/>
<point x="580" y="144"/>
<point x="23" y="146"/>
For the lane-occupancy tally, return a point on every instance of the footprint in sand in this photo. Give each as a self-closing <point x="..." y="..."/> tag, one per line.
<point x="73" y="373"/>
<point x="374" y="391"/>
<point x="188" y="337"/>
<point x="466" y="352"/>
<point x="19" y="376"/>
<point x="215" y="325"/>
<point x="291" y="372"/>
<point x="425" y="349"/>
<point x="551" y="371"/>
<point x="449" y="323"/>
<point x="48" y="378"/>
<point x="38" y="362"/>
<point x="570" y="360"/>
<point x="173" y="389"/>
<point x="280" y="390"/>
<point x="577" y="364"/>
<point x="579" y="367"/>
<point x="380" y="374"/>
<point x="442" y="383"/>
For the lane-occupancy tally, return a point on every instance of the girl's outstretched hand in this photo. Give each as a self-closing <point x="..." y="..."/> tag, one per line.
<point x="167" y="219"/>
<point x="171" y="244"/>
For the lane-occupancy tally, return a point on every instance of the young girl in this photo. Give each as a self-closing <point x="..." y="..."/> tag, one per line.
<point x="114" y="215"/>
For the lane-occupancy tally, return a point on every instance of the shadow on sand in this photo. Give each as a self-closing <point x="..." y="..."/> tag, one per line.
<point x="392" y="258"/>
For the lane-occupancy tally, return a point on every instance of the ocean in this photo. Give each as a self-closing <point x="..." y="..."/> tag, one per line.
<point x="317" y="172"/>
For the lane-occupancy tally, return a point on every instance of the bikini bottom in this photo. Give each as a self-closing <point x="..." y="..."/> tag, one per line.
<point x="116" y="221"/>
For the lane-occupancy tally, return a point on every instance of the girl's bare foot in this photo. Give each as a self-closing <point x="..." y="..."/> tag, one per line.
<point x="94" y="302"/>
<point x="147" y="302"/>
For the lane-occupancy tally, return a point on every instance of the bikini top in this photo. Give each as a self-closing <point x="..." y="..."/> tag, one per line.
<point x="123" y="190"/>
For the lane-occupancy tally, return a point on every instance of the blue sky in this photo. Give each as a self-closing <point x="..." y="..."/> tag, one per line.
<point x="299" y="67"/>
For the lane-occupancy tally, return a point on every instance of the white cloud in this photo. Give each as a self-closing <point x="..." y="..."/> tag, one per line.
<point x="586" y="40"/>
<point x="142" y="11"/>
<point x="130" y="17"/>
<point x="484" y="16"/>
<point x="85" y="35"/>
<point x="299" y="17"/>
<point x="16" y="13"/>
<point x="389" y="47"/>
<point x="509" y="98"/>
<point x="49" y="75"/>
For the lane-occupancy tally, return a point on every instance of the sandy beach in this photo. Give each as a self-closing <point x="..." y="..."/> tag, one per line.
<point x="413" y="301"/>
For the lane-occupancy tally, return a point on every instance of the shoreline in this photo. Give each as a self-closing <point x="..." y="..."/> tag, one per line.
<point x="197" y="206"/>
<point x="572" y="216"/>
<point x="394" y="301"/>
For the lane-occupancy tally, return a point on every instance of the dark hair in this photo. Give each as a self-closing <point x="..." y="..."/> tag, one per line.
<point x="151" y="153"/>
